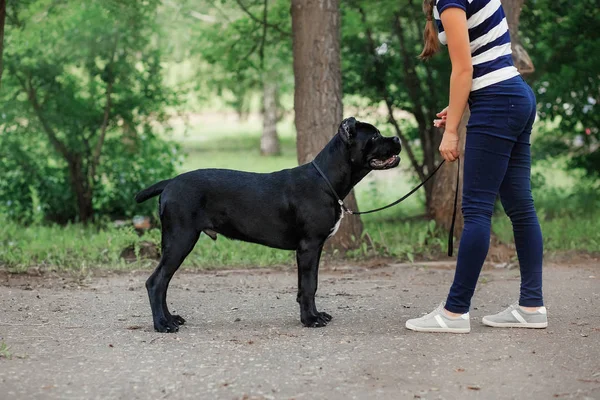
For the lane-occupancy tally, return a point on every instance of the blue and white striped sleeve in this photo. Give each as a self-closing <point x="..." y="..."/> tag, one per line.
<point x="445" y="4"/>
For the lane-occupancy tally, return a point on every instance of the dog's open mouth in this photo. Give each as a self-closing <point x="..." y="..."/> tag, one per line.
<point x="388" y="163"/>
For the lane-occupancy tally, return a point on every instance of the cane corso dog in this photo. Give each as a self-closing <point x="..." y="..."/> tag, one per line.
<point x="293" y="209"/>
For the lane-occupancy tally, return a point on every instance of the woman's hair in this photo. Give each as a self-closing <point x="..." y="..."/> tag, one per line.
<point x="430" y="38"/>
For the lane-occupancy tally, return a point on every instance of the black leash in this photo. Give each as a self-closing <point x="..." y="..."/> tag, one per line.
<point x="451" y="233"/>
<point x="346" y="210"/>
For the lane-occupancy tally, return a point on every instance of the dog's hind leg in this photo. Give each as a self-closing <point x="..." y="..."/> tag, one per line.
<point x="177" y="242"/>
<point x="308" y="256"/>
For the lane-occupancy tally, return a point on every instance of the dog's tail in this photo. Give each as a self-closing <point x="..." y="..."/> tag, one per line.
<point x="152" y="191"/>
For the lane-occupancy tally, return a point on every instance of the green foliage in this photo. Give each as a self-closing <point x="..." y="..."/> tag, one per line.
<point x="568" y="209"/>
<point x="5" y="350"/>
<point x="234" y="51"/>
<point x="28" y="166"/>
<point x="404" y="240"/>
<point x="64" y="59"/>
<point x="59" y="248"/>
<point x="71" y="247"/>
<point x="577" y="199"/>
<point x="81" y="101"/>
<point x="561" y="233"/>
<point x="129" y="169"/>
<point x="237" y="147"/>
<point x="562" y="39"/>
<point x="380" y="44"/>
<point x="36" y="180"/>
<point x="396" y="31"/>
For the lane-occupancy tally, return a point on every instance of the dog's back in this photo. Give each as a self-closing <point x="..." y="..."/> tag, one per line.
<point x="255" y="207"/>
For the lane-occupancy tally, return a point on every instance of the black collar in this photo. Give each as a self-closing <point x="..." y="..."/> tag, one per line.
<point x="340" y="201"/>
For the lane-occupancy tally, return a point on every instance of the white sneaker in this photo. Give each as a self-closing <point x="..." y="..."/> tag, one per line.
<point x="515" y="317"/>
<point x="439" y="321"/>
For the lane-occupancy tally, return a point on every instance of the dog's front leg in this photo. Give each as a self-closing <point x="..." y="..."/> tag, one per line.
<point x="308" y="256"/>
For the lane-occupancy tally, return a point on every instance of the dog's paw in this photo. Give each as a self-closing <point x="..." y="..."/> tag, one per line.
<point x="326" y="316"/>
<point x="165" y="326"/>
<point x="317" y="321"/>
<point x="179" y="320"/>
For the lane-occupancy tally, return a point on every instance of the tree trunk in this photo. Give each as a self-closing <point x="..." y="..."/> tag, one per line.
<point x="318" y="91"/>
<point x="81" y="188"/>
<point x="444" y="184"/>
<point x="269" y="142"/>
<point x="522" y="61"/>
<point x="2" y="20"/>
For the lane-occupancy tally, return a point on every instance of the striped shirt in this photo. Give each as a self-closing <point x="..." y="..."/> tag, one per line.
<point x="491" y="53"/>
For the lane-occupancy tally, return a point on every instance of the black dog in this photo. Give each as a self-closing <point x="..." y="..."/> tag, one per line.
<point x="293" y="209"/>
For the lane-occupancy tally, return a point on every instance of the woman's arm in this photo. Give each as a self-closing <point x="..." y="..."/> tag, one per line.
<point x="457" y="35"/>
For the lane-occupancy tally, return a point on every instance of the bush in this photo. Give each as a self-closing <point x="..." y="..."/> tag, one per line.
<point x="35" y="185"/>
<point x="82" y="96"/>
<point x="128" y="170"/>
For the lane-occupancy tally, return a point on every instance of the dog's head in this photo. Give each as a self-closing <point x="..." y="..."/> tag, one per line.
<point x="368" y="149"/>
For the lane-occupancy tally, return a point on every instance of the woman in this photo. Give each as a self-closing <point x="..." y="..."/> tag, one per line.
<point x="497" y="158"/>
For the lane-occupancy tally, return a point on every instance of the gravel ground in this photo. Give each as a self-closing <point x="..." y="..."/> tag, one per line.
<point x="93" y="338"/>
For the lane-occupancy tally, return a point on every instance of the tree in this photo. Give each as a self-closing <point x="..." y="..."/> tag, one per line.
<point x="2" y="21"/>
<point x="249" y="49"/>
<point x="444" y="186"/>
<point x="512" y="9"/>
<point x="269" y="141"/>
<point x="563" y="40"/>
<point x="318" y="90"/>
<point x="82" y="79"/>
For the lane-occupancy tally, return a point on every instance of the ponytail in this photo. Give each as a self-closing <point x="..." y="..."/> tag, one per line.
<point x="430" y="38"/>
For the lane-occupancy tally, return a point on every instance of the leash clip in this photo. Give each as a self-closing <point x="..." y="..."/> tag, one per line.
<point x="345" y="209"/>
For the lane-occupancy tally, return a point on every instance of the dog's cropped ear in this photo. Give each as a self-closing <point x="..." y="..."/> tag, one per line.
<point x="347" y="130"/>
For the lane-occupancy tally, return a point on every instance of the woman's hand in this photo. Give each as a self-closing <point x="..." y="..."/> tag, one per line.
<point x="441" y="122"/>
<point x="449" y="146"/>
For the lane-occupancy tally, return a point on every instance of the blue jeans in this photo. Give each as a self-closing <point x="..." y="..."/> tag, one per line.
<point x="497" y="160"/>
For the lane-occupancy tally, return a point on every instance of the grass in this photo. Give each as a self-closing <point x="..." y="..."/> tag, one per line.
<point x="5" y="350"/>
<point x="569" y="213"/>
<point x="568" y="208"/>
<point x="73" y="247"/>
<point x="563" y="233"/>
<point x="79" y="249"/>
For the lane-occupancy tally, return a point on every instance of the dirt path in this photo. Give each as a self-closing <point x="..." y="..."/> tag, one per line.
<point x="243" y="339"/>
